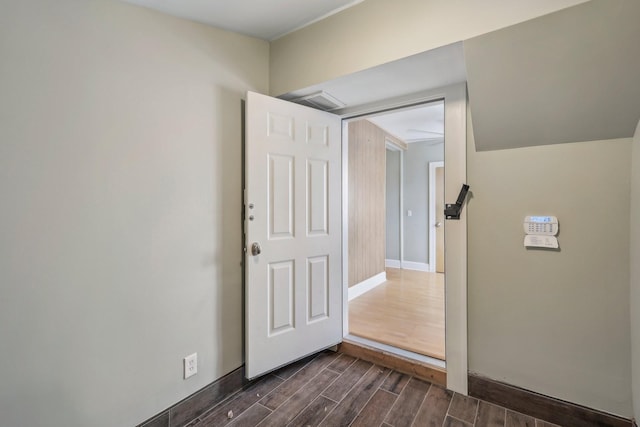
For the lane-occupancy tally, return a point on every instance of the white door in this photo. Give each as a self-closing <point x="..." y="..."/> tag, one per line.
<point x="293" y="219"/>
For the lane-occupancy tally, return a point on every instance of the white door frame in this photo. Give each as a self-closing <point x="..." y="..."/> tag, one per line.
<point x="455" y="104"/>
<point x="432" y="213"/>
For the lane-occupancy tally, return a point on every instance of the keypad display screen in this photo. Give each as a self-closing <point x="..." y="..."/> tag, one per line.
<point x="542" y="219"/>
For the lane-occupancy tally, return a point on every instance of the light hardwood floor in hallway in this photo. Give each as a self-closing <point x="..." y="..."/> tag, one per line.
<point x="407" y="311"/>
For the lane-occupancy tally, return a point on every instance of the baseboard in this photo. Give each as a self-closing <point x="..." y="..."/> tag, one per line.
<point x="195" y="405"/>
<point x="407" y="265"/>
<point x="418" y="266"/>
<point x="392" y="263"/>
<point x="366" y="285"/>
<point x="540" y="406"/>
<point x="419" y="370"/>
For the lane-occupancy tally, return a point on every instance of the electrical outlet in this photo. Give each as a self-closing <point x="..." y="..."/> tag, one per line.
<point x="190" y="365"/>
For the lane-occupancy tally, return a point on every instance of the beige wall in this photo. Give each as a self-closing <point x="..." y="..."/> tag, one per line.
<point x="120" y="243"/>
<point x="553" y="322"/>
<point x="378" y="31"/>
<point x="367" y="183"/>
<point x="635" y="272"/>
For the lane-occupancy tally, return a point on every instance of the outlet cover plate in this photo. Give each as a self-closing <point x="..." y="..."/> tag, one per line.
<point x="190" y="365"/>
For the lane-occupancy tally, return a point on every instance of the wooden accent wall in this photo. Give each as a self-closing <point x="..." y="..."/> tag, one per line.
<point x="367" y="172"/>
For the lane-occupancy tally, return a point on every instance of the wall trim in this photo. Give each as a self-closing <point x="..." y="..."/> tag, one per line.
<point x="392" y="142"/>
<point x="407" y="265"/>
<point x="392" y="263"/>
<point x="366" y="285"/>
<point x="202" y="400"/>
<point x="418" y="266"/>
<point x="540" y="406"/>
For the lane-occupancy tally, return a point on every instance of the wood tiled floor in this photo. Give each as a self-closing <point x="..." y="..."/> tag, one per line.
<point x="333" y="389"/>
<point x="406" y="311"/>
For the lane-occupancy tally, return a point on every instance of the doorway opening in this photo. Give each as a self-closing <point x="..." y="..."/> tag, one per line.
<point x="396" y="274"/>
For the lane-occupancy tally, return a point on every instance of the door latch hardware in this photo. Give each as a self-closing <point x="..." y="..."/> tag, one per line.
<point x="452" y="211"/>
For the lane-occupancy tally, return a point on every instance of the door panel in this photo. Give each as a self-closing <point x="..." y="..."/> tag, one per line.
<point x="280" y="190"/>
<point x="293" y="208"/>
<point x="318" y="209"/>
<point x="281" y="297"/>
<point x="318" y="288"/>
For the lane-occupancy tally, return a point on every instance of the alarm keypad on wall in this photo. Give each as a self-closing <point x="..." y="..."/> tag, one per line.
<point x="541" y="231"/>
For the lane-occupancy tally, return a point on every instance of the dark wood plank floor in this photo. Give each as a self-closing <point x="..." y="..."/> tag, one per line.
<point x="333" y="389"/>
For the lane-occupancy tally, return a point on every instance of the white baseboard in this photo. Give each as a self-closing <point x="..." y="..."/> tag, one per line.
<point x="366" y="285"/>
<point x="392" y="263"/>
<point x="407" y="265"/>
<point x="419" y="266"/>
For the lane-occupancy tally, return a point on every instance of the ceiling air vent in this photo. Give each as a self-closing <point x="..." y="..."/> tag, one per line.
<point x="320" y="100"/>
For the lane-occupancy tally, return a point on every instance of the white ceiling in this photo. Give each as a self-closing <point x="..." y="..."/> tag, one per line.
<point x="418" y="124"/>
<point x="266" y="20"/>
